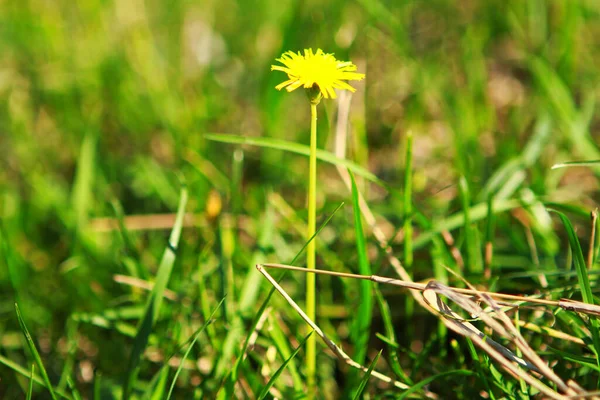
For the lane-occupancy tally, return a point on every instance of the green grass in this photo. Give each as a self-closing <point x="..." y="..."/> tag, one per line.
<point x="106" y="108"/>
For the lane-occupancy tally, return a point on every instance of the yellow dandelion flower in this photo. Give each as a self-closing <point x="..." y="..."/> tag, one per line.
<point x="319" y="69"/>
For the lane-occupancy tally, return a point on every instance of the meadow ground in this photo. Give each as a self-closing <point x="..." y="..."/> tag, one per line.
<point x="147" y="164"/>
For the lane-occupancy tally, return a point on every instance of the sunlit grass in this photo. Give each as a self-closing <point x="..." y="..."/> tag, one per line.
<point x="107" y="107"/>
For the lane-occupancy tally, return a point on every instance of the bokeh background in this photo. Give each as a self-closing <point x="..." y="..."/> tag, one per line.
<point x="104" y="108"/>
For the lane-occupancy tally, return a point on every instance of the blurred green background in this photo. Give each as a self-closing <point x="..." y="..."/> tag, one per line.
<point x="103" y="110"/>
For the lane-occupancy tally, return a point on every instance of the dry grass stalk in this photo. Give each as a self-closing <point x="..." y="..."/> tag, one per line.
<point x="469" y="300"/>
<point x="332" y="346"/>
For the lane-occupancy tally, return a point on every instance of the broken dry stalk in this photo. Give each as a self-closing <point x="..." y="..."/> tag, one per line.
<point x="565" y="304"/>
<point x="334" y="348"/>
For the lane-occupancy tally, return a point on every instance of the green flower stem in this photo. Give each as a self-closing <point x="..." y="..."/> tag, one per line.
<point x="408" y="227"/>
<point x="311" y="344"/>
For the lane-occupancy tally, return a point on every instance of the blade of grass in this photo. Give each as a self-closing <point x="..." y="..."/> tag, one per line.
<point x="408" y="222"/>
<point x="30" y="390"/>
<point x="82" y="188"/>
<point x="235" y="370"/>
<point x="16" y="275"/>
<point x="417" y="387"/>
<point x="253" y="280"/>
<point x="295" y="148"/>
<point x="584" y="282"/>
<point x="478" y="365"/>
<point x="476" y="213"/>
<point x="233" y="376"/>
<point x="155" y="299"/>
<point x="280" y="340"/>
<point x="128" y="242"/>
<point x="390" y="337"/>
<point x="202" y="292"/>
<point x="592" y="247"/>
<point x="69" y="361"/>
<point x="567" y="164"/>
<point x="71" y="385"/>
<point x="569" y="356"/>
<point x="155" y="389"/>
<point x="471" y="235"/>
<point x="365" y="379"/>
<point x="228" y="244"/>
<point x="503" y="183"/>
<point x="35" y="353"/>
<point x="271" y="382"/>
<point x="187" y="351"/>
<point x="97" y="385"/>
<point x="249" y="293"/>
<point x="25" y="372"/>
<point x="362" y="324"/>
<point x="489" y="238"/>
<point x="559" y="96"/>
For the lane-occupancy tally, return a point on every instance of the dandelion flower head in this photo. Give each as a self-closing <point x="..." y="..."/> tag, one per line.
<point x="317" y="68"/>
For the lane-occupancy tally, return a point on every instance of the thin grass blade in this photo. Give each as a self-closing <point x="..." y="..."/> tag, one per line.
<point x="154" y="301"/>
<point x="591" y="163"/>
<point x="281" y="342"/>
<point x="35" y="353"/>
<point x="73" y="387"/>
<point x="390" y="337"/>
<point x="295" y="148"/>
<point x="417" y="387"/>
<point x="271" y="382"/>
<point x="362" y="324"/>
<point x="187" y="352"/>
<point x="582" y="277"/>
<point x="82" y="188"/>
<point x="30" y="389"/>
<point x="235" y="370"/>
<point x="365" y="379"/>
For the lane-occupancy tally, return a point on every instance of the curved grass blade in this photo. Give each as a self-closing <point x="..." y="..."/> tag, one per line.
<point x="35" y="353"/>
<point x="417" y="387"/>
<point x="187" y="352"/>
<point x="265" y="390"/>
<point x="582" y="277"/>
<point x="365" y="379"/>
<point x="583" y="360"/>
<point x="156" y="296"/>
<point x="295" y="148"/>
